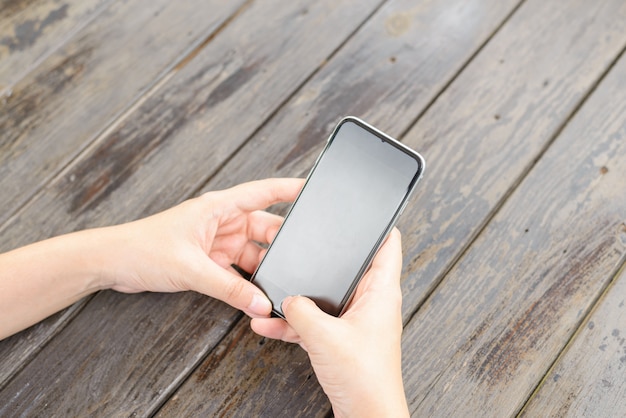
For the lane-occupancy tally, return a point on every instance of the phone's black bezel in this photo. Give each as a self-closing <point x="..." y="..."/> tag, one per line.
<point x="276" y="310"/>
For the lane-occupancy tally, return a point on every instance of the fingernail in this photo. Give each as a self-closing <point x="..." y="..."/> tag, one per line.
<point x="260" y="305"/>
<point x="285" y="303"/>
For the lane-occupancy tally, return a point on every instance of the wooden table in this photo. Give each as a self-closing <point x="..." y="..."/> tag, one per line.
<point x="514" y="283"/>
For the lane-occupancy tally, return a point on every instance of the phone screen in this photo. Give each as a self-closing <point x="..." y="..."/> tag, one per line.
<point x="348" y="205"/>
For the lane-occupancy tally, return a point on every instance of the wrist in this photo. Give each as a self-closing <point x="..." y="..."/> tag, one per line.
<point x="379" y="391"/>
<point x="85" y="253"/>
<point x="103" y="255"/>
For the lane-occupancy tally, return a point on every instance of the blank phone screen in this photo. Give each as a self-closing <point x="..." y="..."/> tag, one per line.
<point x="340" y="218"/>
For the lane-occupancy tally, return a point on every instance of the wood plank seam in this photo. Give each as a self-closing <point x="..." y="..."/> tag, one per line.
<point x="72" y="312"/>
<point x="175" y="385"/>
<point x="288" y="98"/>
<point x="461" y="69"/>
<point x="597" y="84"/>
<point x="518" y="181"/>
<point x="162" y="79"/>
<point x="414" y="122"/>
<point x="579" y="329"/>
<point x="195" y="50"/>
<point x="133" y="105"/>
<point x="116" y="120"/>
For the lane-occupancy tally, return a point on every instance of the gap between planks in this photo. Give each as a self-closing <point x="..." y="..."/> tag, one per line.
<point x="462" y="68"/>
<point x="595" y="304"/>
<point x="506" y="195"/>
<point x="282" y="104"/>
<point x="160" y="80"/>
<point x="72" y="311"/>
<point x="152" y="89"/>
<point x="522" y="176"/>
<point x="176" y="384"/>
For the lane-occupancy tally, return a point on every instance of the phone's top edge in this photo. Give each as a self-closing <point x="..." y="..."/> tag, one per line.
<point x="420" y="159"/>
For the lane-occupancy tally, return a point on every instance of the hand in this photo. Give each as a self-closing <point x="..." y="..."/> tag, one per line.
<point x="356" y="357"/>
<point x="189" y="247"/>
<point x="193" y="245"/>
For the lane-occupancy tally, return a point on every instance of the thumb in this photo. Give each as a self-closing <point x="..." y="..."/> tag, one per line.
<point x="306" y="318"/>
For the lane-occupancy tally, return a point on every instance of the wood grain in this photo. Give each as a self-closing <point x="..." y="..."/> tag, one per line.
<point x="315" y="106"/>
<point x="494" y="121"/>
<point x="489" y="332"/>
<point x="79" y="373"/>
<point x="31" y="122"/>
<point x="588" y="381"/>
<point x="18" y="349"/>
<point x="251" y="382"/>
<point x="62" y="106"/>
<point x="32" y="29"/>
<point x="389" y="74"/>
<point x="166" y="148"/>
<point x="170" y="127"/>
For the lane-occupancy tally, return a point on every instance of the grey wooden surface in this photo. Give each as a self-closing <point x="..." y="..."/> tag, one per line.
<point x="513" y="245"/>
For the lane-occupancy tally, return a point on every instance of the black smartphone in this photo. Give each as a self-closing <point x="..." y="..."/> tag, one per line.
<point x="350" y="201"/>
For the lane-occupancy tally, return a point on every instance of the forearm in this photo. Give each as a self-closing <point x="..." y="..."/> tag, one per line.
<point x="43" y="278"/>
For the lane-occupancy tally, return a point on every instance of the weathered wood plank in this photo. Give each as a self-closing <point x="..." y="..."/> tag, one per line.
<point x="249" y="385"/>
<point x="131" y="370"/>
<point x="75" y="93"/>
<point x="32" y="136"/>
<point x="388" y="75"/>
<point x="32" y="29"/>
<point x="486" y="337"/>
<point x="156" y="155"/>
<point x="167" y="147"/>
<point x="423" y="64"/>
<point x="588" y="381"/>
<point x="17" y="350"/>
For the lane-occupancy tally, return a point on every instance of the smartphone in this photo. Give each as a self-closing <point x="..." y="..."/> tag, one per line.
<point x="350" y="201"/>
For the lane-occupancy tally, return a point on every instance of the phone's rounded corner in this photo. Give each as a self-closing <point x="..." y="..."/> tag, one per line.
<point x="350" y="118"/>
<point x="421" y="162"/>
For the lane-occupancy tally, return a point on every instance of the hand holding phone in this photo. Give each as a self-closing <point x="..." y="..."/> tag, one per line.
<point x="358" y="382"/>
<point x="351" y="200"/>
